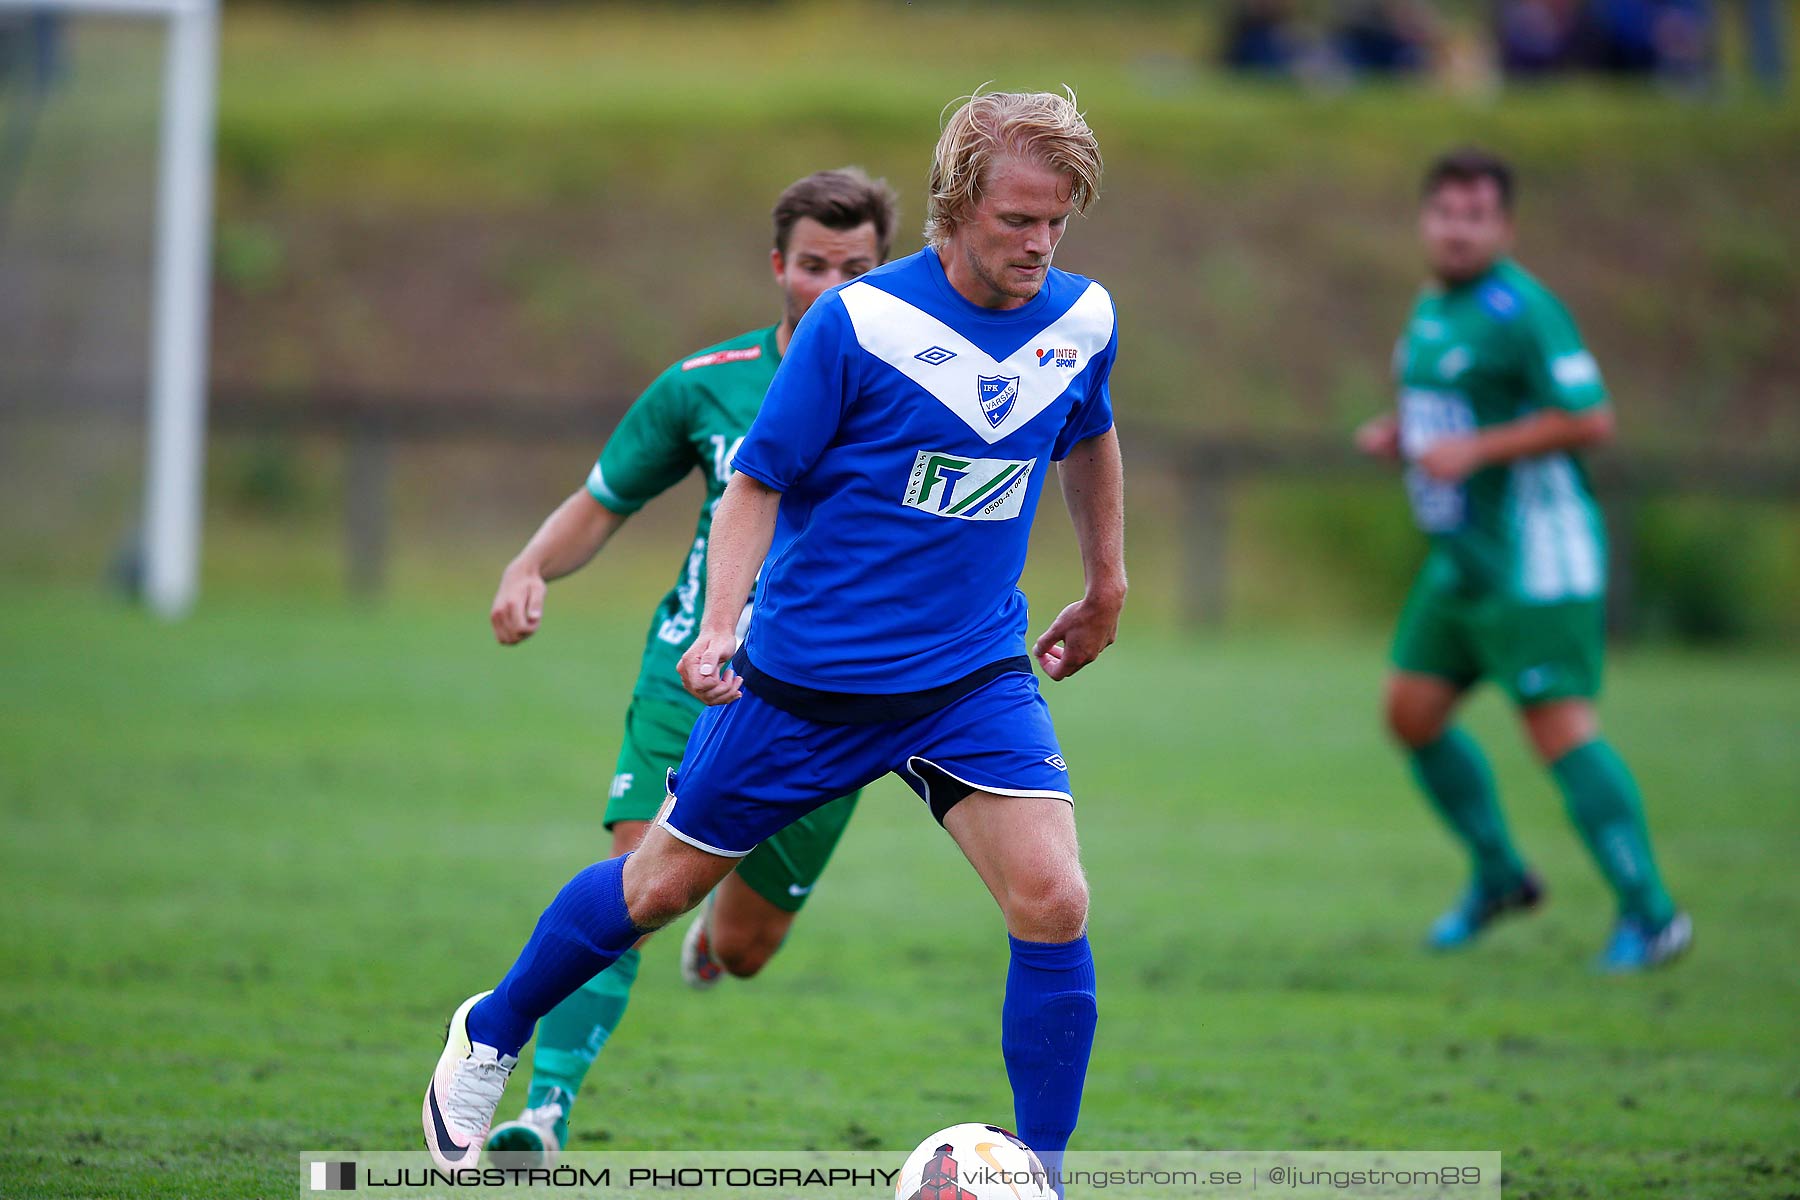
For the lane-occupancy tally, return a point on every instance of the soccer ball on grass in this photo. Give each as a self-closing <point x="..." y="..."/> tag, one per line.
<point x="973" y="1162"/>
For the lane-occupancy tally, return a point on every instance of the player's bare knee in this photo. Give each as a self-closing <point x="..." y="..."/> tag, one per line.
<point x="743" y="958"/>
<point x="1414" y="731"/>
<point x="1393" y="711"/>
<point x="1051" y="908"/>
<point x="746" y="930"/>
<point x="1412" y="720"/>
<point x="649" y="907"/>
<point x="1555" y="729"/>
<point x="656" y="896"/>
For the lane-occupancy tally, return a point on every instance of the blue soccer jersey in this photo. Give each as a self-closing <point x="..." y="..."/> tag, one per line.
<point x="909" y="432"/>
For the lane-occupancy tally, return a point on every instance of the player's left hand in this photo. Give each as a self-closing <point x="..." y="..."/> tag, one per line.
<point x="705" y="668"/>
<point x="1451" y="459"/>
<point x="1077" y="636"/>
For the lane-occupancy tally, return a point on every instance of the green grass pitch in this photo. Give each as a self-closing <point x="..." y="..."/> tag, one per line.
<point x="252" y="861"/>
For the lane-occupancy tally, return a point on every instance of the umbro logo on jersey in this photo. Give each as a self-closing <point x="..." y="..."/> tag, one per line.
<point x="969" y="489"/>
<point x="1061" y="356"/>
<point x="998" y="394"/>
<point x="936" y="356"/>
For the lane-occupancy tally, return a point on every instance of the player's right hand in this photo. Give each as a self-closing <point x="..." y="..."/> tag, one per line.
<point x="1380" y="437"/>
<point x="705" y="669"/>
<point x="518" y="606"/>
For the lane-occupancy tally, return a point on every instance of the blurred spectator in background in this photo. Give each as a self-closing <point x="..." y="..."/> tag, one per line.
<point x="1682" y="33"/>
<point x="1670" y="39"/>
<point x="1383" y="37"/>
<point x="1534" y="37"/>
<point x="1363" y="38"/>
<point x="1261" y="38"/>
<point x="1766" y="33"/>
<point x="1667" y="39"/>
<point x="31" y="48"/>
<point x="31" y="64"/>
<point x="1618" y="37"/>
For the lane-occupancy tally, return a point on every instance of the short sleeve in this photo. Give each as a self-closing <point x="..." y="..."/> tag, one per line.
<point x="1093" y="416"/>
<point x="648" y="453"/>
<point x="1559" y="370"/>
<point x="805" y="403"/>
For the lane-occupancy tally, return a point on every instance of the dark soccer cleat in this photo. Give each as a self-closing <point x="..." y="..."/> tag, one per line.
<point x="1480" y="908"/>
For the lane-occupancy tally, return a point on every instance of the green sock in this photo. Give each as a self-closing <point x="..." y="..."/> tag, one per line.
<point x="570" y="1037"/>
<point x="1604" y="803"/>
<point x="1455" y="774"/>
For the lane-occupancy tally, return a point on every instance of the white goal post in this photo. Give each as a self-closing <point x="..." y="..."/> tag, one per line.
<point x="176" y="441"/>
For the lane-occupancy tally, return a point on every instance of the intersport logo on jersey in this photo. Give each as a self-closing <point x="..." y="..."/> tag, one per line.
<point x="969" y="489"/>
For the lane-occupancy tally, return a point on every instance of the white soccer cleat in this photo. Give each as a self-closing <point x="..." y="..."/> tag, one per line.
<point x="463" y="1094"/>
<point x="699" y="968"/>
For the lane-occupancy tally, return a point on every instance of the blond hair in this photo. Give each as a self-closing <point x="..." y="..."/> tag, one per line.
<point x="1043" y="126"/>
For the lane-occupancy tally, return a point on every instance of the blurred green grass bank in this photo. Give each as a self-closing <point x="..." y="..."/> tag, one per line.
<point x="543" y="206"/>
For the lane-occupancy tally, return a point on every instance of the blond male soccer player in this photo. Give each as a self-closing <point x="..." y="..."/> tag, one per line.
<point x="886" y="492"/>
<point x="829" y="228"/>
<point x="1498" y="398"/>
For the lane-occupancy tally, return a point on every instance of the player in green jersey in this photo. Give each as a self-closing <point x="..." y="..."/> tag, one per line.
<point x="829" y="228"/>
<point x="1498" y="397"/>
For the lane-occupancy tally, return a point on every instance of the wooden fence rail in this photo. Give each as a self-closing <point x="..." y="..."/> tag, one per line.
<point x="1205" y="466"/>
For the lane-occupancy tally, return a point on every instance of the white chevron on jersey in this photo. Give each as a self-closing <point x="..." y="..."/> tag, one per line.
<point x="896" y="332"/>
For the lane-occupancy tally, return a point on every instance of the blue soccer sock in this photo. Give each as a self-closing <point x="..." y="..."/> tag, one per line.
<point x="585" y="929"/>
<point x="1046" y="1033"/>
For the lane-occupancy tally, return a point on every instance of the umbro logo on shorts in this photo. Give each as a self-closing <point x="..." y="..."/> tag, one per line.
<point x="969" y="489"/>
<point x="1056" y="760"/>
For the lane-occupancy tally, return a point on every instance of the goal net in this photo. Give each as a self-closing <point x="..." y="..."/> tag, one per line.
<point x="105" y="172"/>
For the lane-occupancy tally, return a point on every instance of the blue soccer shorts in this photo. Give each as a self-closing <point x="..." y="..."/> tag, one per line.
<point x="751" y="769"/>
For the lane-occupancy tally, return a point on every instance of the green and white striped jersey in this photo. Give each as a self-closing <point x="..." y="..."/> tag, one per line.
<point x="691" y="417"/>
<point x="1482" y="353"/>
